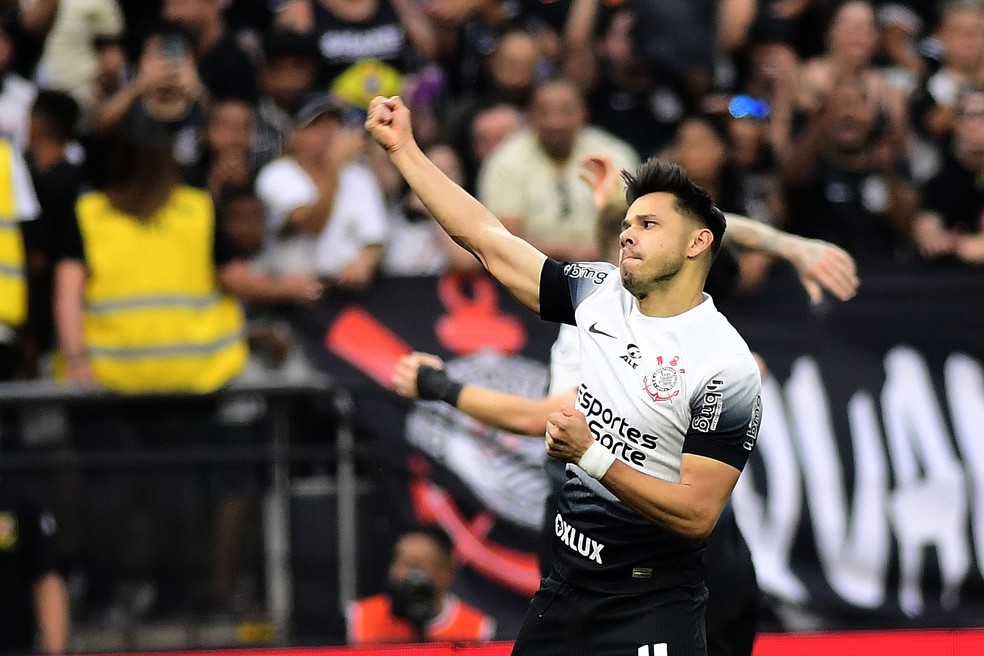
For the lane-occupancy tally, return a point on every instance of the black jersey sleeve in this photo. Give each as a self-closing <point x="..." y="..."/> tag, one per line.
<point x="725" y="415"/>
<point x="563" y="285"/>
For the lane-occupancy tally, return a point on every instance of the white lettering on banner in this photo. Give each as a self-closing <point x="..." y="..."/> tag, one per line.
<point x="854" y="529"/>
<point x="929" y="503"/>
<point x="965" y="392"/>
<point x="770" y="523"/>
<point x="854" y="559"/>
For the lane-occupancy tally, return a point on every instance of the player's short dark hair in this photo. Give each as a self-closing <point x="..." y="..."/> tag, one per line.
<point x="656" y="176"/>
<point x="435" y="534"/>
<point x="59" y="113"/>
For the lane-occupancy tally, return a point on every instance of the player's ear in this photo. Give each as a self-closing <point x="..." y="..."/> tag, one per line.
<point x="700" y="241"/>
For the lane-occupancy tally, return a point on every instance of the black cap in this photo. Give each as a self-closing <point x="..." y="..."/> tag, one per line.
<point x="316" y="105"/>
<point x="288" y="43"/>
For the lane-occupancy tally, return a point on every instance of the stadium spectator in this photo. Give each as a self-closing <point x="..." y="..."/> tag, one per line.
<point x="34" y="608"/>
<point x="366" y="45"/>
<point x="847" y="180"/>
<point x="531" y="181"/>
<point x="165" y="90"/>
<point x="951" y="219"/>
<point x="772" y="75"/>
<point x="469" y="33"/>
<point x="325" y="213"/>
<point x="70" y="62"/>
<point x="900" y="28"/>
<point x="508" y="73"/>
<point x="627" y="97"/>
<point x="143" y="238"/>
<point x="490" y="128"/>
<point x="228" y="141"/>
<point x="28" y="25"/>
<point x="16" y="93"/>
<point x="748" y="133"/>
<point x="418" y="605"/>
<point x="933" y="105"/>
<point x="18" y="203"/>
<point x="702" y="148"/>
<point x="58" y="183"/>
<point x="223" y="67"/>
<point x="145" y="302"/>
<point x="417" y="246"/>
<point x="287" y="73"/>
<point x="852" y="38"/>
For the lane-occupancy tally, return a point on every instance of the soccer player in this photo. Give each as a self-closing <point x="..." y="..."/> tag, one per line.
<point x="666" y="413"/>
<point x="732" y="609"/>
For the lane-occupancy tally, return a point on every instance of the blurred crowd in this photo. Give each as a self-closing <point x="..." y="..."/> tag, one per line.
<point x="174" y="172"/>
<point x="857" y="122"/>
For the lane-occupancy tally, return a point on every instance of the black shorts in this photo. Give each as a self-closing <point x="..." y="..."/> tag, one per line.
<point x="566" y="621"/>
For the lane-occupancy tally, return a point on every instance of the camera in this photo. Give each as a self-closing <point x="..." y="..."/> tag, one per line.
<point x="748" y="107"/>
<point x="412" y="598"/>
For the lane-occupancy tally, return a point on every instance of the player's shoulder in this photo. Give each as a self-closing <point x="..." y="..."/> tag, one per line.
<point x="596" y="272"/>
<point x="722" y="345"/>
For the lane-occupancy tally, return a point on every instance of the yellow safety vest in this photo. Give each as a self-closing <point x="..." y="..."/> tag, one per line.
<point x="13" y="286"/>
<point x="155" y="318"/>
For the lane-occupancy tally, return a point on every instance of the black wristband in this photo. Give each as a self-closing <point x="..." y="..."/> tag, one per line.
<point x="435" y="385"/>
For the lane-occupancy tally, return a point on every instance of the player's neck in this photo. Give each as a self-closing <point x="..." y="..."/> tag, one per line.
<point x="668" y="298"/>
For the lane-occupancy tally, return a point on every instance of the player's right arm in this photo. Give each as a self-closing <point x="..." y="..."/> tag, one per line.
<point x="421" y="376"/>
<point x="510" y="260"/>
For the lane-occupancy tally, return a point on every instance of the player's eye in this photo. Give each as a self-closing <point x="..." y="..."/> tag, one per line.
<point x="648" y="224"/>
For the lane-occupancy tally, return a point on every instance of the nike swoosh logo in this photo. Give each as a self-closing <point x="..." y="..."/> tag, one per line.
<point x="593" y="329"/>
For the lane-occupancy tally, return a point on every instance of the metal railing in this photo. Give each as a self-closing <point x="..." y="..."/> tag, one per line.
<point x="278" y="453"/>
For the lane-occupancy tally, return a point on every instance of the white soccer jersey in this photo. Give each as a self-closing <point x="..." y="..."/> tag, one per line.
<point x="652" y="388"/>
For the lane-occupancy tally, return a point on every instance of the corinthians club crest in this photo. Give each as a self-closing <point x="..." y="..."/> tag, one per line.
<point x="661" y="384"/>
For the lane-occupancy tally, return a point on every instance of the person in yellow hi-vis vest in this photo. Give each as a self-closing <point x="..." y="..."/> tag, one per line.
<point x="17" y="203"/>
<point x="145" y="302"/>
<point x="145" y="285"/>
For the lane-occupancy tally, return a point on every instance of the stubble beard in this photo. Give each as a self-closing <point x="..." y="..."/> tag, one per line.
<point x="640" y="286"/>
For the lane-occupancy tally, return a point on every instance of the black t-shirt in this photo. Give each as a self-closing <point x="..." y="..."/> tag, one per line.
<point x="26" y="554"/>
<point x="957" y="194"/>
<point x="646" y="119"/>
<point x="343" y="42"/>
<point x="57" y="189"/>
<point x="227" y="72"/>
<point x="848" y="208"/>
<point x="71" y="246"/>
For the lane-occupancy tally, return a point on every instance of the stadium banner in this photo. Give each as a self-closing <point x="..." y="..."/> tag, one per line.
<point x="863" y="503"/>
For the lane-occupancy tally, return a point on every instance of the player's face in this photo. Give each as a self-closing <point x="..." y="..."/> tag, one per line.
<point x="653" y="242"/>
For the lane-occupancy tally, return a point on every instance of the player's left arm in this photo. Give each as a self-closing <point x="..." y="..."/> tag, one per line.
<point x="822" y="266"/>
